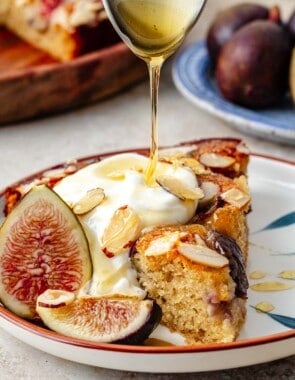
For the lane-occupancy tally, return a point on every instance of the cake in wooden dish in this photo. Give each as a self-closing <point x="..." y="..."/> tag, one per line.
<point x="64" y="29"/>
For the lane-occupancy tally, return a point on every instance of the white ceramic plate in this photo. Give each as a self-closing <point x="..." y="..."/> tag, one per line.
<point x="265" y="337"/>
<point x="193" y="77"/>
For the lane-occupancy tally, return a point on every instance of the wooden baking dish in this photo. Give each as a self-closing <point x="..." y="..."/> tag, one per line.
<point x="32" y="84"/>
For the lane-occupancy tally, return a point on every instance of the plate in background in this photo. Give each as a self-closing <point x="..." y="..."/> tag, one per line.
<point x="193" y="77"/>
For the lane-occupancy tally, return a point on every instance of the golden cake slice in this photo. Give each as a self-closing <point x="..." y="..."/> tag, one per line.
<point x="197" y="277"/>
<point x="202" y="295"/>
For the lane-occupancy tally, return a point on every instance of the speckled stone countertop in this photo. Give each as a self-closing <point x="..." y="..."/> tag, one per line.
<point x="118" y="123"/>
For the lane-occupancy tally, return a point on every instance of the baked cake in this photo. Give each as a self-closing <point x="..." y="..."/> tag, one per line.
<point x="188" y="251"/>
<point x="198" y="279"/>
<point x="63" y="28"/>
<point x="196" y="273"/>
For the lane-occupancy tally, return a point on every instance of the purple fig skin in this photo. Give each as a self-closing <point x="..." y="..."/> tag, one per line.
<point x="139" y="336"/>
<point x="252" y="68"/>
<point x="228" y="21"/>
<point x="291" y="26"/>
<point x="228" y="247"/>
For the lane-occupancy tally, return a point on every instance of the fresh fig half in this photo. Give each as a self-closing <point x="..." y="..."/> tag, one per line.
<point x="42" y="245"/>
<point x="108" y="319"/>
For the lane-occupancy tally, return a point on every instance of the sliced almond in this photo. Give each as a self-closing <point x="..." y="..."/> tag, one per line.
<point x="179" y="189"/>
<point x="123" y="229"/>
<point x="92" y="198"/>
<point x="242" y="182"/>
<point x="53" y="298"/>
<point x="193" y="164"/>
<point x="118" y="175"/>
<point x="215" y="160"/>
<point x="162" y="244"/>
<point x="70" y="169"/>
<point x="176" y="151"/>
<point x="237" y="167"/>
<point x="55" y="173"/>
<point x="235" y="197"/>
<point x="203" y="255"/>
<point x="241" y="148"/>
<point x="26" y="187"/>
<point x="210" y="190"/>
<point x="199" y="241"/>
<point x="72" y="161"/>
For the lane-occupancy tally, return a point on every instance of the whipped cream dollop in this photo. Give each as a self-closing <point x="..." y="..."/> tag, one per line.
<point x="123" y="181"/>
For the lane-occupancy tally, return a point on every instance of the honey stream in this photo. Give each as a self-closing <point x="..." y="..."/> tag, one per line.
<point x="154" y="66"/>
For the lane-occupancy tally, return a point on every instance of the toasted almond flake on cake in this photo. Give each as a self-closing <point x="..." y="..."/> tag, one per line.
<point x="235" y="197"/>
<point x="177" y="188"/>
<point x="193" y="164"/>
<point x="215" y="160"/>
<point x="199" y="241"/>
<point x="163" y="244"/>
<point x="203" y="255"/>
<point x="242" y="183"/>
<point x="210" y="190"/>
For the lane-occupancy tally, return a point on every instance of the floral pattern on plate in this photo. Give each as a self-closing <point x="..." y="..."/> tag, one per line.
<point x="274" y="286"/>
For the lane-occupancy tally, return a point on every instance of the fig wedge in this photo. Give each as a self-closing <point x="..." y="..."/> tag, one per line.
<point x="108" y="319"/>
<point x="42" y="245"/>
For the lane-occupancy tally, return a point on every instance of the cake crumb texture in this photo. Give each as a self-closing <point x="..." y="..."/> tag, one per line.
<point x="197" y="301"/>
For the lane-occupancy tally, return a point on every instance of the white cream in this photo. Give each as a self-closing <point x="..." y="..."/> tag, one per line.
<point x="122" y="178"/>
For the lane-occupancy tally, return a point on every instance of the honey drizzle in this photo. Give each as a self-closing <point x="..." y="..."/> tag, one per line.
<point x="270" y="286"/>
<point x="257" y="275"/>
<point x="264" y="307"/>
<point x="155" y="342"/>
<point x="154" y="66"/>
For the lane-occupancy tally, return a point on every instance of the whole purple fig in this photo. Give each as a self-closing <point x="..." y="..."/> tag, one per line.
<point x="252" y="68"/>
<point x="291" y="26"/>
<point x="228" y="21"/>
